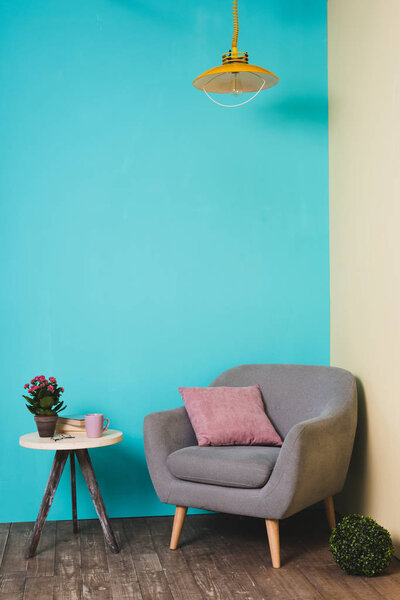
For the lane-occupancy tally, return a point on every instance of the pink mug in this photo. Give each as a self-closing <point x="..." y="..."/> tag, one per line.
<point x="94" y="424"/>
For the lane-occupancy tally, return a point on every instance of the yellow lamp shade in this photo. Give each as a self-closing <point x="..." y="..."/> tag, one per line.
<point x="235" y="77"/>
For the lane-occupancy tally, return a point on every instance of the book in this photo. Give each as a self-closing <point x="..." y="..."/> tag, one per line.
<point x="61" y="427"/>
<point x="76" y="420"/>
<point x="72" y="424"/>
<point x="71" y="431"/>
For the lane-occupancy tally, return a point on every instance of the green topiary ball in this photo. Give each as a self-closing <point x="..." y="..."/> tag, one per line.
<point x="360" y="546"/>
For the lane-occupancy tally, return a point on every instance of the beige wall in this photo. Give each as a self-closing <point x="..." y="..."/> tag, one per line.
<point x="364" y="146"/>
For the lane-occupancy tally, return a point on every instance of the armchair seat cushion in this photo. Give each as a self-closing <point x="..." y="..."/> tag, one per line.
<point x="229" y="466"/>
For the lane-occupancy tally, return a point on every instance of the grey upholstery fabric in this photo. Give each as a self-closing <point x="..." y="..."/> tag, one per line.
<point x="315" y="411"/>
<point x="230" y="466"/>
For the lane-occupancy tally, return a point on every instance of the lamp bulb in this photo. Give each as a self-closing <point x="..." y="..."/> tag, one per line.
<point x="236" y="87"/>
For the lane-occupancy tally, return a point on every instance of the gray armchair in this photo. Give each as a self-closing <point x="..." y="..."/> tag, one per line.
<point x="313" y="408"/>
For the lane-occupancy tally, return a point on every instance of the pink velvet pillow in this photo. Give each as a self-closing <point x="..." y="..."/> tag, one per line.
<point x="229" y="416"/>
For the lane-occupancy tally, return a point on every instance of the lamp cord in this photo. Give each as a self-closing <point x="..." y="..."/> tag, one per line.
<point x="235" y="24"/>
<point x="235" y="105"/>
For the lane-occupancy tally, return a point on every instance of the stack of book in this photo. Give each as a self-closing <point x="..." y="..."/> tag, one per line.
<point x="71" y="425"/>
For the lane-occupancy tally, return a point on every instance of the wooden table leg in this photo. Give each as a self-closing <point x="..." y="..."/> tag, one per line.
<point x="73" y="492"/>
<point x="93" y="487"/>
<point x="54" y="478"/>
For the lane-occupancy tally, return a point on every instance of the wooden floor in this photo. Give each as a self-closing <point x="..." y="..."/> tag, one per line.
<point x="220" y="557"/>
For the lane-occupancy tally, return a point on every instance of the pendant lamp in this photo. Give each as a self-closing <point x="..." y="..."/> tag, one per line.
<point x="235" y="75"/>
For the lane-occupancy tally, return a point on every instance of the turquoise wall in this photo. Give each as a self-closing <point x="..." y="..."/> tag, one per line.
<point x="150" y="239"/>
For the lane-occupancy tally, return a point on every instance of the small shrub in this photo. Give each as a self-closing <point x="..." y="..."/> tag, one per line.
<point x="360" y="546"/>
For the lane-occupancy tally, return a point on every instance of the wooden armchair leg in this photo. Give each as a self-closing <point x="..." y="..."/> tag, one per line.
<point x="330" y="512"/>
<point x="272" y="526"/>
<point x="180" y="514"/>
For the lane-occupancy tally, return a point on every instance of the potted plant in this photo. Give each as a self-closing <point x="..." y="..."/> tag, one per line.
<point x="44" y="402"/>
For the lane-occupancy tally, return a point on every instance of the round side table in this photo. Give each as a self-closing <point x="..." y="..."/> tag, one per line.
<point x="71" y="447"/>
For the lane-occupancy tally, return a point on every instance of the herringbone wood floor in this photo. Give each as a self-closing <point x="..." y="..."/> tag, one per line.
<point x="221" y="557"/>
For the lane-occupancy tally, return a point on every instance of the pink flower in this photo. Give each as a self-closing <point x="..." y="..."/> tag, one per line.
<point x="62" y="390"/>
<point x="26" y="386"/>
<point x="34" y="388"/>
<point x="42" y="385"/>
<point x="53" y="379"/>
<point x="38" y="378"/>
<point x="50" y="388"/>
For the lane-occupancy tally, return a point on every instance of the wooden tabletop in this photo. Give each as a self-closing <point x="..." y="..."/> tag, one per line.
<point x="32" y="440"/>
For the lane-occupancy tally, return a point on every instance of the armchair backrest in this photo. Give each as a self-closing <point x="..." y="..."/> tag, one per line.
<point x="295" y="393"/>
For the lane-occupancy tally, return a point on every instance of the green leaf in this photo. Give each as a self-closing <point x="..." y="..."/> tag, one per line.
<point x="46" y="402"/>
<point x="63" y="408"/>
<point x="31" y="400"/>
<point x="30" y="409"/>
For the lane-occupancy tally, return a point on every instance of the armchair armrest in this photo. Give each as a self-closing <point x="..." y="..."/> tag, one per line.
<point x="163" y="433"/>
<point x="312" y="464"/>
